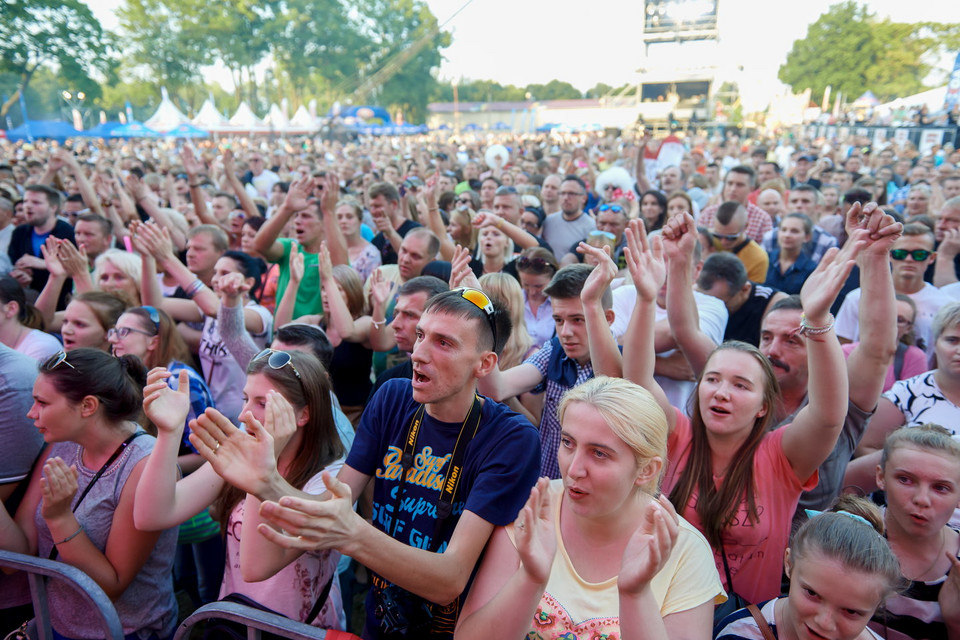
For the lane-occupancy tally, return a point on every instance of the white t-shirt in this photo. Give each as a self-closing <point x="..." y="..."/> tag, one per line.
<point x="39" y="345"/>
<point x="928" y="301"/>
<point x="713" y="322"/>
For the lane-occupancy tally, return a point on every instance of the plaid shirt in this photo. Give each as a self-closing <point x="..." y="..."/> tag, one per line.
<point x="549" y="424"/>
<point x="758" y="221"/>
<point x="820" y="241"/>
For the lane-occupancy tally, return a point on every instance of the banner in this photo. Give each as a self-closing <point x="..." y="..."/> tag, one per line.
<point x="952" y="96"/>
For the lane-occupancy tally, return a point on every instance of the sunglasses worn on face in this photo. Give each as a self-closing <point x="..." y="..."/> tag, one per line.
<point x="919" y="255"/>
<point x="597" y="233"/>
<point x="725" y="236"/>
<point x="482" y="302"/>
<point x="122" y="332"/>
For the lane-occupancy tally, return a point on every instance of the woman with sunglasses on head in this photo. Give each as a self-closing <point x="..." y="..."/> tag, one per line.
<point x="600" y="552"/>
<point x="535" y="268"/>
<point x="287" y="411"/>
<point x="79" y="504"/>
<point x="150" y="335"/>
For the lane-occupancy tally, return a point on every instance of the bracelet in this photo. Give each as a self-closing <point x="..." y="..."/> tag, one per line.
<point x="378" y="325"/>
<point x="806" y="330"/>
<point x="197" y="186"/>
<point x="70" y="537"/>
<point x="194" y="288"/>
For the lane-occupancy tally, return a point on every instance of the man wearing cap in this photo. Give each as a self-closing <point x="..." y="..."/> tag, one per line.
<point x="801" y="173"/>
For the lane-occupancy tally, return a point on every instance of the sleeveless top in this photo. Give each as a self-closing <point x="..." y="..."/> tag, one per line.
<point x="148" y="605"/>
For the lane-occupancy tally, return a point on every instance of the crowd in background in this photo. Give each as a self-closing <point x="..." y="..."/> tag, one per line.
<point x="786" y="310"/>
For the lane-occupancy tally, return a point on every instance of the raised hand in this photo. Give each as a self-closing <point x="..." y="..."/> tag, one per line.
<point x="155" y="240"/>
<point x="882" y="230"/>
<point x="279" y="421"/>
<point x="324" y="265"/>
<point x="535" y="537"/>
<point x="649" y="547"/>
<point x="381" y="289"/>
<point x="298" y="194"/>
<point x="461" y="275"/>
<point x="602" y="275"/>
<point x="191" y="164"/>
<point x="245" y="460"/>
<point x="74" y="260"/>
<point x="135" y="187"/>
<point x="57" y="486"/>
<point x="485" y="219"/>
<point x="233" y="285"/>
<point x="429" y="192"/>
<point x="331" y="194"/>
<point x="167" y="408"/>
<point x="823" y="285"/>
<point x="296" y="267"/>
<point x="229" y="166"/>
<point x="312" y="524"/>
<point x="679" y="237"/>
<point x="51" y="257"/>
<point x="645" y="262"/>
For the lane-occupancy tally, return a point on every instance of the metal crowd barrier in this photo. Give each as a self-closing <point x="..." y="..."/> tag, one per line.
<point x="39" y="570"/>
<point x="255" y="621"/>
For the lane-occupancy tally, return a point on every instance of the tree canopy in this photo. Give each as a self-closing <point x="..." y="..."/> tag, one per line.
<point x="60" y="34"/>
<point x="852" y="50"/>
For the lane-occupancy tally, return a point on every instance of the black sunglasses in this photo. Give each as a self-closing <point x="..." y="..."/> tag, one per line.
<point x="919" y="255"/>
<point x="278" y="360"/>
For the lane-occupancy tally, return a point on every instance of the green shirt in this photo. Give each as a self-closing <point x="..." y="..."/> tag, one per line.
<point x="308" y="296"/>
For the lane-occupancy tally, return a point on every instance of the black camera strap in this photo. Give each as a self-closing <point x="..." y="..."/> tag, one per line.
<point x="451" y="480"/>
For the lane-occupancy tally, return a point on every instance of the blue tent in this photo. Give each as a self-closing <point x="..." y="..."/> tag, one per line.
<point x="186" y="130"/>
<point x="472" y="127"/>
<point x="363" y="112"/>
<point x="32" y="129"/>
<point x="134" y="130"/>
<point x="101" y="130"/>
<point x="501" y="126"/>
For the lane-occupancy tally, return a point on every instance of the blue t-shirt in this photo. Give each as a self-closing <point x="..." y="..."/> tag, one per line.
<point x="501" y="464"/>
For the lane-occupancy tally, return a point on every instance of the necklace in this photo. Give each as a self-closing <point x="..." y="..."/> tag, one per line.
<point x="936" y="558"/>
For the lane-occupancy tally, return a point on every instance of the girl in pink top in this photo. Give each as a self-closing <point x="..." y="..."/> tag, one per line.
<point x="728" y="474"/>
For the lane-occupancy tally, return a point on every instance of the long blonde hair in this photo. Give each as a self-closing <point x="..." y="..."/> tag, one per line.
<point x="508" y="293"/>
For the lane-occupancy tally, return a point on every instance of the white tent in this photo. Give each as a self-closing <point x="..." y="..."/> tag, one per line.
<point x="276" y="118"/>
<point x="932" y="98"/>
<point x="246" y="120"/>
<point x="210" y="118"/>
<point x="167" y="115"/>
<point x="303" y="121"/>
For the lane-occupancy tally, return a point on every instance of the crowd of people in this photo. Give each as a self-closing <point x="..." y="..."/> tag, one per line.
<point x="606" y="387"/>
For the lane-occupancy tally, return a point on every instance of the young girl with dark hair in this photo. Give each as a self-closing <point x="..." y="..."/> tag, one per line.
<point x="287" y="410"/>
<point x="79" y="504"/>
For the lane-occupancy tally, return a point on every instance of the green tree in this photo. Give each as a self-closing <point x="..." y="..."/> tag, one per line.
<point x="852" y="50"/>
<point x="63" y="35"/>
<point x="554" y="90"/>
<point x="156" y="44"/>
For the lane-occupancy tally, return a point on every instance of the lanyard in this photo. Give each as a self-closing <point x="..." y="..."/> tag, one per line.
<point x="451" y="480"/>
<point x="93" y="481"/>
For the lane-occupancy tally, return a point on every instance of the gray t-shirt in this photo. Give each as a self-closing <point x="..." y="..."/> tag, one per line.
<point x="21" y="445"/>
<point x="833" y="468"/>
<point x="561" y="233"/>
<point x="148" y="605"/>
<point x="21" y="441"/>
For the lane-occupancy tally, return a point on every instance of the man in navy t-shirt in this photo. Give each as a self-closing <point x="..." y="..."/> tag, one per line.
<point x="420" y="568"/>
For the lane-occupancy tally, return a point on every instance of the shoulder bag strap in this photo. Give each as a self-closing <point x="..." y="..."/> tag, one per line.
<point x="761" y="622"/>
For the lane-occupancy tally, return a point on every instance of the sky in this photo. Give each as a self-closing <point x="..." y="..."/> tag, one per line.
<point x="523" y="42"/>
